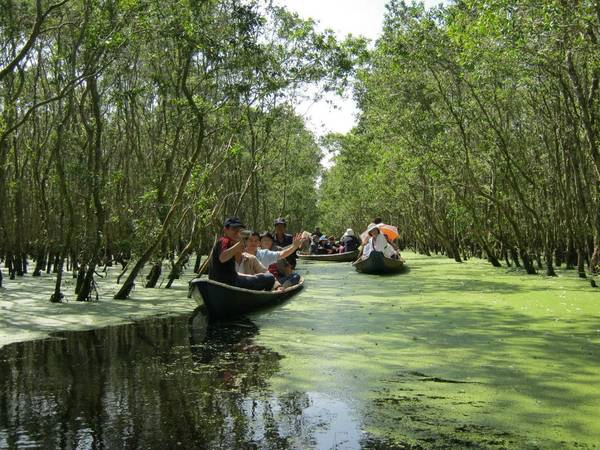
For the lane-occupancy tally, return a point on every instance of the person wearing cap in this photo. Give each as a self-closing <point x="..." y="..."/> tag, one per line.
<point x="349" y="241"/>
<point x="224" y="253"/>
<point x="282" y="239"/>
<point x="377" y="242"/>
<point x="324" y="247"/>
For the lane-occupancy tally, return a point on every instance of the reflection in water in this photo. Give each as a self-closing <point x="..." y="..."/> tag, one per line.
<point x="162" y="383"/>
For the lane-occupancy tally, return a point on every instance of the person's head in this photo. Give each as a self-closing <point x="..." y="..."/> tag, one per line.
<point x="266" y="241"/>
<point x="373" y="230"/>
<point x="280" y="225"/>
<point x="284" y="267"/>
<point x="349" y="232"/>
<point x="232" y="227"/>
<point x="318" y="230"/>
<point x="323" y="240"/>
<point x="253" y="242"/>
<point x="377" y="220"/>
<point x="332" y="239"/>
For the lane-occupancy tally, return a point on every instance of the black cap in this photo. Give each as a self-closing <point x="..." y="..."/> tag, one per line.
<point x="233" y="222"/>
<point x="280" y="220"/>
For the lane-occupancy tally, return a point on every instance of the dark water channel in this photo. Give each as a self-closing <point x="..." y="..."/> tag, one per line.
<point x="159" y="383"/>
<point x="435" y="358"/>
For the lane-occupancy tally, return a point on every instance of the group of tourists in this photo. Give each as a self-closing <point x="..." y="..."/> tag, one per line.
<point x="266" y="261"/>
<point x="323" y="245"/>
<point x="251" y="260"/>
<point x="378" y="237"/>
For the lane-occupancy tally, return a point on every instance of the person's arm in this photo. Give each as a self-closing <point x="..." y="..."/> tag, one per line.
<point x="291" y="248"/>
<point x="391" y="242"/>
<point x="230" y="252"/>
<point x="258" y="267"/>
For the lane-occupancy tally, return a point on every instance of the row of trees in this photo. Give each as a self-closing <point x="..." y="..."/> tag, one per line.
<point x="479" y="133"/>
<point x="130" y="128"/>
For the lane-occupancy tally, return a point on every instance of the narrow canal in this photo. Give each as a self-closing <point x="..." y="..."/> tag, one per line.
<point x="442" y="356"/>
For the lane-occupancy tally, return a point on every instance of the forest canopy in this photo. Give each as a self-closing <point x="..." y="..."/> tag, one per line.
<point x="478" y="133"/>
<point x="129" y="128"/>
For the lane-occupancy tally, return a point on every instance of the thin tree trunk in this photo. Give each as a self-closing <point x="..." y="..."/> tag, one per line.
<point x="154" y="274"/>
<point x="129" y="282"/>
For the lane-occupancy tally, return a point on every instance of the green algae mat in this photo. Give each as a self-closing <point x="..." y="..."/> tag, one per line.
<point x="444" y="355"/>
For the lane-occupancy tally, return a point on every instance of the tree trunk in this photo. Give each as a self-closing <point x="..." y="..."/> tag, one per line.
<point x="571" y="256"/>
<point x="176" y="270"/>
<point x="558" y="256"/>
<point x="549" y="267"/>
<point x="125" y="267"/>
<point x="505" y="257"/>
<point x="198" y="259"/>
<point x="40" y="262"/>
<point x="58" y="262"/>
<point x="18" y="264"/>
<point x="581" y="264"/>
<point x="527" y="263"/>
<point x="491" y="257"/>
<point x="86" y="287"/>
<point x="57" y="296"/>
<point x="49" y="262"/>
<point x="154" y="274"/>
<point x="129" y="282"/>
<point x="80" y="279"/>
<point x="515" y="258"/>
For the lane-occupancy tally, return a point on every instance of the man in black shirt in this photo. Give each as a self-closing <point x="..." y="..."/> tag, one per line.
<point x="282" y="239"/>
<point x="222" y="264"/>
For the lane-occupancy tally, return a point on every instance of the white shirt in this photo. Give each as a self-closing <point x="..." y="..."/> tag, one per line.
<point x="267" y="257"/>
<point x="380" y="245"/>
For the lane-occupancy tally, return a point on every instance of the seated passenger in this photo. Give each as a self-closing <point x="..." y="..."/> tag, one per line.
<point x="266" y="255"/>
<point x="248" y="264"/>
<point x="335" y="246"/>
<point x="287" y="275"/>
<point x="377" y="242"/>
<point x="349" y="241"/>
<point x="314" y="245"/>
<point x="324" y="247"/>
<point x="222" y="265"/>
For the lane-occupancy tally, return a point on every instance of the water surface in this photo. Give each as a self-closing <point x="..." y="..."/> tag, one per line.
<point x="443" y="356"/>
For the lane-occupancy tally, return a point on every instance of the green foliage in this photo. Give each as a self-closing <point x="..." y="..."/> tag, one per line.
<point x="478" y="130"/>
<point x="136" y="120"/>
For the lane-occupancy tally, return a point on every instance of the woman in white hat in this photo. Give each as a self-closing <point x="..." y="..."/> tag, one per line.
<point x="377" y="242"/>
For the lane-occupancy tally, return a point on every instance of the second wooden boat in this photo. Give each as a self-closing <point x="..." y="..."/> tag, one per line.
<point x="376" y="263"/>
<point x="335" y="257"/>
<point x="223" y="301"/>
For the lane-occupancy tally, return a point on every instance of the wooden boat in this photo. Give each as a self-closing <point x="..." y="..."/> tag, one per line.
<point x="336" y="257"/>
<point x="376" y="263"/>
<point x="223" y="301"/>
